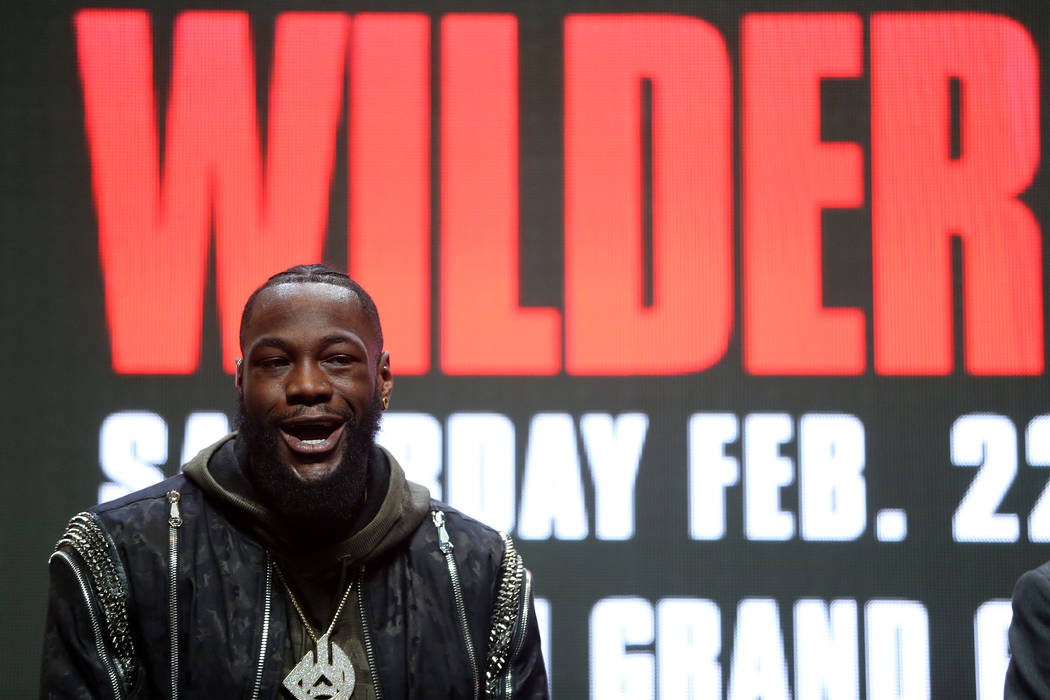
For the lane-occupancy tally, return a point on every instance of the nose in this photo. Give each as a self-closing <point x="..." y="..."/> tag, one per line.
<point x="307" y="384"/>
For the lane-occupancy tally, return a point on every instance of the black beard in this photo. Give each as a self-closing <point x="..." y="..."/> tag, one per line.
<point x="315" y="511"/>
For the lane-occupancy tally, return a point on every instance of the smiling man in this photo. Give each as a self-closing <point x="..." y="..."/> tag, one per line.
<point x="292" y="559"/>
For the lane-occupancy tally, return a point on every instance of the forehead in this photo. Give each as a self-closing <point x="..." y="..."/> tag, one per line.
<point x="301" y="309"/>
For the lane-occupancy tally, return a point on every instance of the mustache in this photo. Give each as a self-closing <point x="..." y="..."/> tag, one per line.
<point x="346" y="415"/>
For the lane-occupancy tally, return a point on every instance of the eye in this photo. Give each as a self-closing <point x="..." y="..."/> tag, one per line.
<point x="340" y="360"/>
<point x="276" y="362"/>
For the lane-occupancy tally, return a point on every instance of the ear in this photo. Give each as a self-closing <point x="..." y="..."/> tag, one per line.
<point x="238" y="377"/>
<point x="384" y="379"/>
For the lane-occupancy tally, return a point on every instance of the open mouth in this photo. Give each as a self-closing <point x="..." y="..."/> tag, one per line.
<point x="312" y="437"/>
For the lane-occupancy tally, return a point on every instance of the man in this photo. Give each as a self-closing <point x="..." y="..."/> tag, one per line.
<point x="1028" y="675"/>
<point x="292" y="559"/>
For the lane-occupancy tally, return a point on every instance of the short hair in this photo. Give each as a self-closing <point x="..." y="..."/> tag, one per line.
<point x="316" y="274"/>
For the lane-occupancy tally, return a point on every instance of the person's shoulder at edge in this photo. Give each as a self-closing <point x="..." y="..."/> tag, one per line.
<point x="1032" y="591"/>
<point x="1028" y="674"/>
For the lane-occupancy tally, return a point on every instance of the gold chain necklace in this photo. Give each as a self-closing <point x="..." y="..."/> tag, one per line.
<point x="327" y="671"/>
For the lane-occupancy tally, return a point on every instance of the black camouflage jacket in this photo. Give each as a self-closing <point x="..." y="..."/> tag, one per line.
<point x="439" y="622"/>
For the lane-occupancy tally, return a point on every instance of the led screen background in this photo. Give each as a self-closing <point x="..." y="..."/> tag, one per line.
<point x="719" y="308"/>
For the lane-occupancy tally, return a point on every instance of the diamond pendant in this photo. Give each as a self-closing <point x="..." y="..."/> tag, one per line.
<point x="324" y="674"/>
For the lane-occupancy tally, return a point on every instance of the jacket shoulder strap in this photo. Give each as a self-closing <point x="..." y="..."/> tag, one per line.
<point x="505" y="615"/>
<point x="86" y="536"/>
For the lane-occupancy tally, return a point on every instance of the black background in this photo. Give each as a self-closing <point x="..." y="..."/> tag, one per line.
<point x="58" y="385"/>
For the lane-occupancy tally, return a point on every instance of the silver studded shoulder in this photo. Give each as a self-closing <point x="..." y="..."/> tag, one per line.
<point x="89" y="540"/>
<point x="504" y="616"/>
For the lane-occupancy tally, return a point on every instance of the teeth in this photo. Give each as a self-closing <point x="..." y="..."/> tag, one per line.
<point x="318" y="441"/>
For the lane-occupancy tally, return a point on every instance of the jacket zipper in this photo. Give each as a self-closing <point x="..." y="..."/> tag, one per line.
<point x="367" y="635"/>
<point x="96" y="626"/>
<point x="174" y="523"/>
<point x="445" y="545"/>
<point x="522" y="621"/>
<point x="265" y="629"/>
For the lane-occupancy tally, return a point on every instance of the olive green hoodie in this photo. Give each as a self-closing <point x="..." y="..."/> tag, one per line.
<point x="318" y="575"/>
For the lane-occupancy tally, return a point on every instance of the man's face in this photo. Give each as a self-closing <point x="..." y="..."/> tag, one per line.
<point x="309" y="386"/>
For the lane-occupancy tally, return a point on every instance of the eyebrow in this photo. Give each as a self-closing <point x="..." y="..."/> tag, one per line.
<point x="334" y="338"/>
<point x="270" y="342"/>
<point x="330" y="339"/>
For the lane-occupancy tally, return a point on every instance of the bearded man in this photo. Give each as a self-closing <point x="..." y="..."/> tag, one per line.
<point x="292" y="559"/>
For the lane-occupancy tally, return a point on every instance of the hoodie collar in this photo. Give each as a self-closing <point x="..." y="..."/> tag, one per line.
<point x="392" y="511"/>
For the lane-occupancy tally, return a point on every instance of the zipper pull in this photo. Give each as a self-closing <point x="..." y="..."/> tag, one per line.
<point x="444" y="543"/>
<point x="174" y="517"/>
